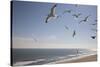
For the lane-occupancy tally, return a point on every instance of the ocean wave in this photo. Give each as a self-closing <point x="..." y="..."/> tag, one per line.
<point x="22" y="63"/>
<point x="72" y="55"/>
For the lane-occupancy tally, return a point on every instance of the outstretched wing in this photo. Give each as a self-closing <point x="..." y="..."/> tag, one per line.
<point x="81" y="21"/>
<point x="53" y="9"/>
<point x="94" y="24"/>
<point x="79" y="14"/>
<point x="66" y="27"/>
<point x="93" y="37"/>
<point x="46" y="21"/>
<point x="86" y="18"/>
<point x="74" y="33"/>
<point x="74" y="15"/>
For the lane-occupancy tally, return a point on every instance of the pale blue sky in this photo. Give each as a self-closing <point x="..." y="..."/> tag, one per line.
<point x="29" y="22"/>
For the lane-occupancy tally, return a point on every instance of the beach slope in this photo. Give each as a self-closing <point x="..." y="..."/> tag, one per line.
<point x="82" y="59"/>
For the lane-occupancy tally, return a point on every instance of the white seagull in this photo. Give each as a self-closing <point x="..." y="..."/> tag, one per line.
<point x="76" y="15"/>
<point x="51" y="14"/>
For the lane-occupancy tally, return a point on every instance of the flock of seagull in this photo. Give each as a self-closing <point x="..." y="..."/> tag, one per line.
<point x="52" y="14"/>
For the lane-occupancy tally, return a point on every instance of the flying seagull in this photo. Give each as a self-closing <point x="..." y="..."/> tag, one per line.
<point x="93" y="37"/>
<point x="35" y="40"/>
<point x="67" y="11"/>
<point x="66" y="27"/>
<point x="74" y="33"/>
<point x="85" y="19"/>
<point x="94" y="24"/>
<point x="51" y="14"/>
<point x="77" y="15"/>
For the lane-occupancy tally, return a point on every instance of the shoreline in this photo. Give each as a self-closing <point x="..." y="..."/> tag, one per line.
<point x="85" y="58"/>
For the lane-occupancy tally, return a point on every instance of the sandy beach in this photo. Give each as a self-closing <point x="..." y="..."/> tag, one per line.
<point x="82" y="59"/>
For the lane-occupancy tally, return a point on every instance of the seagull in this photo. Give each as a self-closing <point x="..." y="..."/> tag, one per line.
<point x="93" y="37"/>
<point x="51" y="14"/>
<point x="66" y="27"/>
<point x="85" y="19"/>
<point x="35" y="40"/>
<point x="67" y="11"/>
<point x="94" y="24"/>
<point x="76" y="15"/>
<point x="74" y="33"/>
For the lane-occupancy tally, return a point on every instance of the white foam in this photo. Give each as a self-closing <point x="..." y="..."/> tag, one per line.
<point x="61" y="57"/>
<point x="38" y="60"/>
<point x="71" y="55"/>
<point x="70" y="59"/>
<point x="22" y="63"/>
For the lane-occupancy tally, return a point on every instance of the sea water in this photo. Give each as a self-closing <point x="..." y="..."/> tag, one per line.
<point x="43" y="56"/>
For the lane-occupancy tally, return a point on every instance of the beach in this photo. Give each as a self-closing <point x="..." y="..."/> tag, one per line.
<point x="52" y="56"/>
<point x="89" y="58"/>
<point x="85" y="59"/>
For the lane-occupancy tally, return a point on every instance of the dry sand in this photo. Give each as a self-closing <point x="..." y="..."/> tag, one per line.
<point x="83" y="59"/>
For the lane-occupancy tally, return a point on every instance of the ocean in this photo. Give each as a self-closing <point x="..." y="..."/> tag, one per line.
<point x="26" y="57"/>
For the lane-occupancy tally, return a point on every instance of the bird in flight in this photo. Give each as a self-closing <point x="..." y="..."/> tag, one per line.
<point x="77" y="15"/>
<point x="66" y="27"/>
<point x="93" y="37"/>
<point x="67" y="11"/>
<point x="94" y="24"/>
<point x="85" y="19"/>
<point x="74" y="33"/>
<point x="51" y="14"/>
<point x="35" y="40"/>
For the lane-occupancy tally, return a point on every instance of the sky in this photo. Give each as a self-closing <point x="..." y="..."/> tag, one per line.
<point x="29" y="29"/>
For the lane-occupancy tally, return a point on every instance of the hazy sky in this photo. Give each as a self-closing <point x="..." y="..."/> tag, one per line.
<point x="31" y="31"/>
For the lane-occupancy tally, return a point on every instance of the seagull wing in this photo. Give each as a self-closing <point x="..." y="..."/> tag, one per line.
<point x="86" y="18"/>
<point x="94" y="24"/>
<point x="81" y="21"/>
<point x="35" y="40"/>
<point x="53" y="10"/>
<point x="79" y="14"/>
<point x="74" y="33"/>
<point x="66" y="27"/>
<point x="93" y="37"/>
<point x="74" y="15"/>
<point x="46" y="21"/>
